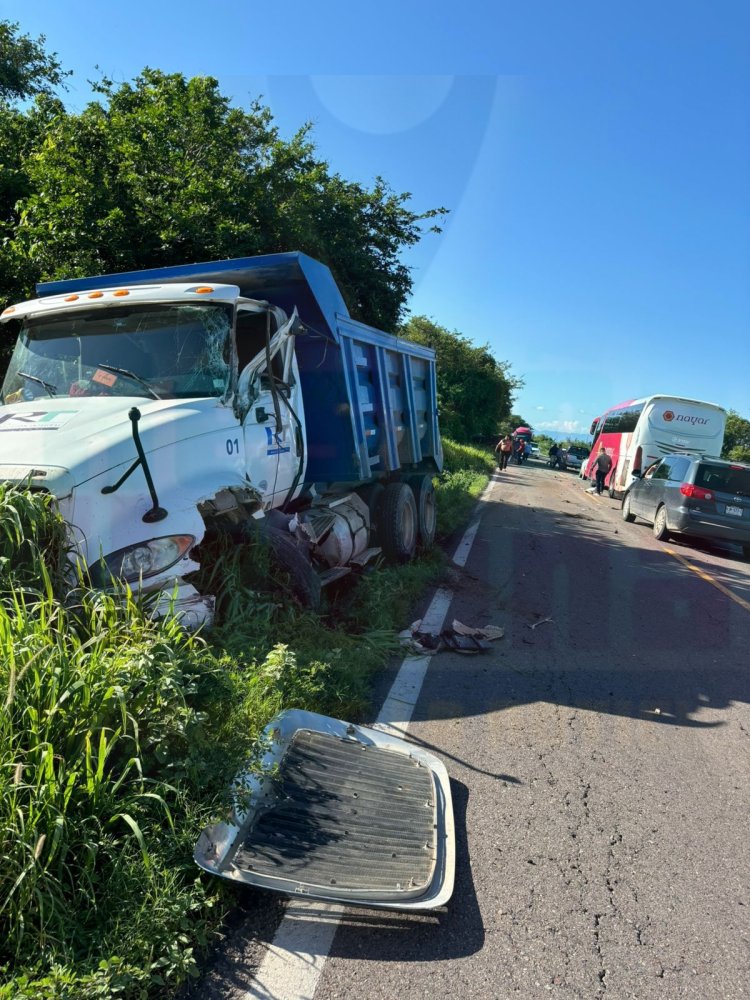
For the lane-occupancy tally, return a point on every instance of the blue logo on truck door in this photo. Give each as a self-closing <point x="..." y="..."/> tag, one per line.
<point x="275" y="445"/>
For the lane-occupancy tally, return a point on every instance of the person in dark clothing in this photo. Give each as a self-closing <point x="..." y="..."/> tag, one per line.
<point x="602" y="466"/>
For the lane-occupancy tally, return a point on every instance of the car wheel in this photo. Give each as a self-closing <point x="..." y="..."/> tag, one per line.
<point x="746" y="552"/>
<point x="661" y="532"/>
<point x="627" y="514"/>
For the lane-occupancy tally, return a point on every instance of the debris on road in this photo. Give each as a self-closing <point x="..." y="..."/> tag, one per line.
<point x="459" y="638"/>
<point x="540" y="622"/>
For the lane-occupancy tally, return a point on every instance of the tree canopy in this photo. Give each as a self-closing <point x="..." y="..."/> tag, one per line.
<point x="25" y="68"/>
<point x="164" y="170"/>
<point x="475" y="390"/>
<point x="736" y="438"/>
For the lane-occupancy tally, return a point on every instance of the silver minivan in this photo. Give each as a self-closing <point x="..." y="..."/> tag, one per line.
<point x="693" y="495"/>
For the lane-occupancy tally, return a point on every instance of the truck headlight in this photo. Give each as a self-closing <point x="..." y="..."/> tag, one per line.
<point x="137" y="562"/>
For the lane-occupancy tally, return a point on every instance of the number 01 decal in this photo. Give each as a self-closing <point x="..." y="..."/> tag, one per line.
<point x="233" y="446"/>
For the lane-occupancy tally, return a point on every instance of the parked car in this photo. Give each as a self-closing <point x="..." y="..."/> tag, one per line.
<point x="576" y="457"/>
<point x="693" y="495"/>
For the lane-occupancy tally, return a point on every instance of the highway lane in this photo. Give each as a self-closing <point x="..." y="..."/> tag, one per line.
<point x="600" y="768"/>
<point x="600" y="765"/>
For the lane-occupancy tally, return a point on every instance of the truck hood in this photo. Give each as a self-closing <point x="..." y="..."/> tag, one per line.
<point x="86" y="437"/>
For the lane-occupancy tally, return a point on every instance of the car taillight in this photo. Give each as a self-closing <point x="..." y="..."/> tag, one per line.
<point x="696" y="492"/>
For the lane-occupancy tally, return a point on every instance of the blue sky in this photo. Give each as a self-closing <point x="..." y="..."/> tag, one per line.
<point x="595" y="158"/>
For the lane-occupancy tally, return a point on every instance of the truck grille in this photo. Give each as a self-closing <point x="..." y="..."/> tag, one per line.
<point x="346" y="815"/>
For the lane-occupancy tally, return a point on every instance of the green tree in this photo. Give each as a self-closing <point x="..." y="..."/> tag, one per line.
<point x="518" y="421"/>
<point x="25" y="68"/>
<point x="164" y="170"/>
<point x="26" y="72"/>
<point x="736" y="438"/>
<point x="475" y="390"/>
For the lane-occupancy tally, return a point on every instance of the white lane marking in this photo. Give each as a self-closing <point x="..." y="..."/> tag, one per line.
<point x="292" y="966"/>
<point x="464" y="546"/>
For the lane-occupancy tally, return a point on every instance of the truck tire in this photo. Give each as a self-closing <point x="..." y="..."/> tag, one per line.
<point x="398" y="523"/>
<point x="424" y="495"/>
<point x="303" y="581"/>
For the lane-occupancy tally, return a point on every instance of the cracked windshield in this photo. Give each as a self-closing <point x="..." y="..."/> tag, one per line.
<point x="156" y="351"/>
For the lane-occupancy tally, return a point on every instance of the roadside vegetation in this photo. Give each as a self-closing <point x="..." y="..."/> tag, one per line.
<point x="120" y="735"/>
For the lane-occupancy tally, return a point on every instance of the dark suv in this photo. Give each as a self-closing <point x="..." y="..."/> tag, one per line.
<point x="693" y="495"/>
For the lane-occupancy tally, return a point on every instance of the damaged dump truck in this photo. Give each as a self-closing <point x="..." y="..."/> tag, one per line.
<point x="160" y="407"/>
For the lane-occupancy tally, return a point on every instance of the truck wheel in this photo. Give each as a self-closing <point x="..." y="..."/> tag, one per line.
<point x="398" y="523"/>
<point x="424" y="495"/>
<point x="304" y="582"/>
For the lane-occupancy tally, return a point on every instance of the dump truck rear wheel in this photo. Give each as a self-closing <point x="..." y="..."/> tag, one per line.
<point x="398" y="522"/>
<point x="424" y="495"/>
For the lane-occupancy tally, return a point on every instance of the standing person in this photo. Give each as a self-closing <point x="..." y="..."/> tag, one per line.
<point x="603" y="465"/>
<point x="519" y="450"/>
<point x="504" y="450"/>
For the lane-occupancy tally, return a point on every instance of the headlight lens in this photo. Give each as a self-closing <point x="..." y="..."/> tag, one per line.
<point x="138" y="562"/>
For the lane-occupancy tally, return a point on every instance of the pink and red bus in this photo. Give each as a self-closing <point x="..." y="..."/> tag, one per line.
<point x="641" y="431"/>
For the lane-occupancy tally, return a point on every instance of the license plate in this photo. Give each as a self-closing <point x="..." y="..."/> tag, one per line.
<point x="735" y="511"/>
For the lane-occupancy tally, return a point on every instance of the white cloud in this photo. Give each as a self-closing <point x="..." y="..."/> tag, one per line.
<point x="538" y="407"/>
<point x="563" y="426"/>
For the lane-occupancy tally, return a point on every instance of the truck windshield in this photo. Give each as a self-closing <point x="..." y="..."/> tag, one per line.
<point x="160" y="351"/>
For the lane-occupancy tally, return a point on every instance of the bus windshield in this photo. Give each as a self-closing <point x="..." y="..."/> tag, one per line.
<point x="160" y="351"/>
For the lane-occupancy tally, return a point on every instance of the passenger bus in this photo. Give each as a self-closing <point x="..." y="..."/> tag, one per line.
<point x="639" y="432"/>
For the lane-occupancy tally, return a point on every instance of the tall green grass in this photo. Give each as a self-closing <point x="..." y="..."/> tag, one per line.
<point x="120" y="734"/>
<point x="465" y="474"/>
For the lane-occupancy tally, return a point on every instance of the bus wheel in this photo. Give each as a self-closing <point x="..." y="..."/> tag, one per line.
<point x="661" y="532"/>
<point x="398" y="523"/>
<point x="612" y="492"/>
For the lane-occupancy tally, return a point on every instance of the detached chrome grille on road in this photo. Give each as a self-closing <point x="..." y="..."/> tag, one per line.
<point x="342" y="813"/>
<point x="349" y="815"/>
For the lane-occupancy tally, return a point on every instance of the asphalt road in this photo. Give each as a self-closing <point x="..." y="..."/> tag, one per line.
<point x="600" y="768"/>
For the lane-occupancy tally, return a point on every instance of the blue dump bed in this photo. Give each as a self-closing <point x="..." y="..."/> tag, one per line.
<point x="370" y="398"/>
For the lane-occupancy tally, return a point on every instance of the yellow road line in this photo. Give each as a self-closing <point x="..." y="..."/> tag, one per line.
<point x="709" y="579"/>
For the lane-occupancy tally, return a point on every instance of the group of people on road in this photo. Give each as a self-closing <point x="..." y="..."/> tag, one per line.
<point x="558" y="457"/>
<point x="507" y="448"/>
